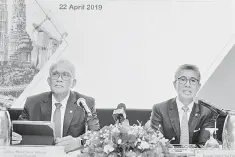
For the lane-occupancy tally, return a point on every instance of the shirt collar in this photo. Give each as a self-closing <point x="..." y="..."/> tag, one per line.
<point x="63" y="102"/>
<point x="180" y="105"/>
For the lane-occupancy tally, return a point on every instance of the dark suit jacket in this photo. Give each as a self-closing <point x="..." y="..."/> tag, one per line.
<point x="166" y="114"/>
<point x="39" y="108"/>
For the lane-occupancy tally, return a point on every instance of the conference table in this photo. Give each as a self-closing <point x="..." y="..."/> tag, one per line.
<point x="51" y="151"/>
<point x="201" y="152"/>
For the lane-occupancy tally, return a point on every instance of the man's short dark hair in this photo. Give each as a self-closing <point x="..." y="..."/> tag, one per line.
<point x="188" y="67"/>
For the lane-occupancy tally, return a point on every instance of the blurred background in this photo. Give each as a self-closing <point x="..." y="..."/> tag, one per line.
<point x="128" y="51"/>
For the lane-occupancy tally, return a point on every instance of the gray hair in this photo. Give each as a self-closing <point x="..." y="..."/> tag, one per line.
<point x="64" y="63"/>
<point x="188" y="67"/>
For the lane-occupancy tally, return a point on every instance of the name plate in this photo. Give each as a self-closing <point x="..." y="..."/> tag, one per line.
<point x="32" y="151"/>
<point x="214" y="153"/>
<point x="181" y="151"/>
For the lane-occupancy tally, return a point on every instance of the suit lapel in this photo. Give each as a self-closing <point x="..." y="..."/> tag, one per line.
<point x="174" y="117"/>
<point x="193" y="120"/>
<point x="69" y="112"/>
<point x="46" y="107"/>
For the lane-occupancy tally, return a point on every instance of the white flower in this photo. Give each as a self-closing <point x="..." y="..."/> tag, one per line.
<point x="108" y="148"/>
<point x="163" y="140"/>
<point x="159" y="134"/>
<point x="119" y="141"/>
<point x="106" y="140"/>
<point x="144" y="145"/>
<point x="115" y="130"/>
<point x="135" y="143"/>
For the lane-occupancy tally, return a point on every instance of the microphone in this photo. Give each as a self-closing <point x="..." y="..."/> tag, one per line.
<point x="119" y="114"/>
<point x="217" y="110"/>
<point x="172" y="139"/>
<point x="82" y="102"/>
<point x="122" y="105"/>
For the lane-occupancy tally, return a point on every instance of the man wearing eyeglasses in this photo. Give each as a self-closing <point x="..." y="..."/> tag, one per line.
<point x="180" y="119"/>
<point x="60" y="106"/>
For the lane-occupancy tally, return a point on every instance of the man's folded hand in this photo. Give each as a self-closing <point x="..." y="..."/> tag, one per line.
<point x="16" y="138"/>
<point x="70" y="143"/>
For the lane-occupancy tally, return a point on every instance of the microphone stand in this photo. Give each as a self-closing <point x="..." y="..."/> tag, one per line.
<point x="217" y="112"/>
<point x="86" y="117"/>
<point x="119" y="119"/>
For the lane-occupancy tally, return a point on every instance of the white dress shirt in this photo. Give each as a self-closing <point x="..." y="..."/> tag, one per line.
<point x="62" y="109"/>
<point x="181" y="111"/>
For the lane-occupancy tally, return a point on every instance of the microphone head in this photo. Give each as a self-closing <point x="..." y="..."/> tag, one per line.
<point x="82" y="102"/>
<point x="122" y="105"/>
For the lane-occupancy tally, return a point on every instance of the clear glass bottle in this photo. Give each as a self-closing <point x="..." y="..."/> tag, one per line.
<point x="5" y="127"/>
<point x="228" y="136"/>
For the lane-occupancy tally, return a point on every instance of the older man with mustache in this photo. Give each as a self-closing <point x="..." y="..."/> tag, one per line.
<point x="61" y="106"/>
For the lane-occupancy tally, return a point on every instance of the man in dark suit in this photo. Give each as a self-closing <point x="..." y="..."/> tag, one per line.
<point x="181" y="119"/>
<point x="69" y="110"/>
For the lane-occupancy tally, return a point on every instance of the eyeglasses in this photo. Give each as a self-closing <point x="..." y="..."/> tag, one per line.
<point x="192" y="81"/>
<point x="65" y="76"/>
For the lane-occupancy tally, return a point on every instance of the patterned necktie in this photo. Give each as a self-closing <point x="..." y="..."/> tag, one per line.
<point x="57" y="119"/>
<point x="184" y="131"/>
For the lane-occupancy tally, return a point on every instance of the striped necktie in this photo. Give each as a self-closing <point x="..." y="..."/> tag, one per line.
<point x="57" y="120"/>
<point x="184" y="131"/>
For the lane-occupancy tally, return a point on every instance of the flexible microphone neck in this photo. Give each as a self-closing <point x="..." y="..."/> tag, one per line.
<point x="217" y="110"/>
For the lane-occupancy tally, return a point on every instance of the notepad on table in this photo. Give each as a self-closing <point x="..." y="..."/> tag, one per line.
<point x="35" y="132"/>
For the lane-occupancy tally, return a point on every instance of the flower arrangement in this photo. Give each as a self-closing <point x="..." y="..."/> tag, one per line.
<point x="125" y="141"/>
